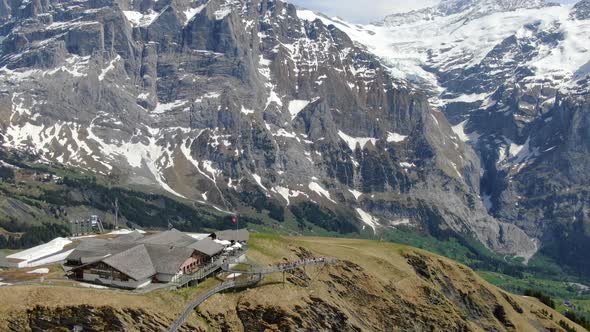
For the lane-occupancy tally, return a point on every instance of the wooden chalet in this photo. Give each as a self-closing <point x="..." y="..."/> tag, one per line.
<point x="134" y="260"/>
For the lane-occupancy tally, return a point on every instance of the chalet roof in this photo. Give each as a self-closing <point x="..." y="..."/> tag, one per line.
<point x="207" y="246"/>
<point x="241" y="235"/>
<point x="140" y="256"/>
<point x="166" y="259"/>
<point x="91" y="259"/>
<point x="130" y="237"/>
<point x="90" y="249"/>
<point x="172" y="237"/>
<point x="134" y="262"/>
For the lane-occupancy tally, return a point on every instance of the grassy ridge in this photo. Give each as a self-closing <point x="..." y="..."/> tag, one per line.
<point x="541" y="273"/>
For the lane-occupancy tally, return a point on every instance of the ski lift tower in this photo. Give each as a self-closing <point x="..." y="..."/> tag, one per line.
<point x="97" y="223"/>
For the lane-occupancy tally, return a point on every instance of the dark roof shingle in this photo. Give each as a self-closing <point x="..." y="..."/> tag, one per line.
<point x="167" y="259"/>
<point x="207" y="246"/>
<point x="130" y="237"/>
<point x="92" y="248"/>
<point x="134" y="262"/>
<point x="172" y="237"/>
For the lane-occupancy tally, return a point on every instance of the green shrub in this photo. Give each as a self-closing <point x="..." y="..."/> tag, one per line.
<point x="566" y="326"/>
<point x="6" y="174"/>
<point x="546" y="299"/>
<point x="336" y="221"/>
<point x="578" y="319"/>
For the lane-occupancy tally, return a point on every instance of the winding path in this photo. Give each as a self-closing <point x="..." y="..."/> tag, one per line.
<point x="256" y="275"/>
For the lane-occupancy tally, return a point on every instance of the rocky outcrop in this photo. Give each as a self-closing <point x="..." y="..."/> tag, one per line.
<point x="548" y="196"/>
<point x="478" y="303"/>
<point x="316" y="315"/>
<point x="581" y="10"/>
<point x="88" y="318"/>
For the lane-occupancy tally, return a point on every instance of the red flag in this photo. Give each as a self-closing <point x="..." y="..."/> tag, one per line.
<point x="234" y="219"/>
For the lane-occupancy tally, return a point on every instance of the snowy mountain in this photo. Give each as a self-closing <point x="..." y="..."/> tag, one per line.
<point x="249" y="106"/>
<point x="464" y="10"/>
<point x="440" y="120"/>
<point x="446" y="50"/>
<point x="512" y="78"/>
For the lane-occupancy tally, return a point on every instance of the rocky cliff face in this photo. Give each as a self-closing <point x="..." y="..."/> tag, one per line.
<point x="522" y="109"/>
<point x="237" y="104"/>
<point x="89" y="318"/>
<point x="504" y="72"/>
<point x="548" y="196"/>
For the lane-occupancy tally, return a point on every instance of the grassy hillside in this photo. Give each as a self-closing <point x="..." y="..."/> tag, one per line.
<point x="541" y="273"/>
<point x="376" y="286"/>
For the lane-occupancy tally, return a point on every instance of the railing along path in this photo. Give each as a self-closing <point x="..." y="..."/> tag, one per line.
<point x="256" y="275"/>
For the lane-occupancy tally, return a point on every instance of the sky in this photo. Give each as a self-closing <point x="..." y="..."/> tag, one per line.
<point x="365" y="11"/>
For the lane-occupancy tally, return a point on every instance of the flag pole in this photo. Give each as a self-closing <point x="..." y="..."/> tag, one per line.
<point x="235" y="220"/>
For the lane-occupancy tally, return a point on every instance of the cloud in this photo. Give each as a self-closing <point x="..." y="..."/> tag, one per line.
<point x="363" y="11"/>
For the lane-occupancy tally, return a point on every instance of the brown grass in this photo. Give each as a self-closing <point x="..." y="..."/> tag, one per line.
<point x="384" y="261"/>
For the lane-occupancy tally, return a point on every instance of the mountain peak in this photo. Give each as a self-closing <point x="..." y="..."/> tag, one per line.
<point x="467" y="9"/>
<point x="450" y="7"/>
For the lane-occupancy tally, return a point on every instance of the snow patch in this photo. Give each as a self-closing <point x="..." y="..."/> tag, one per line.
<point x="75" y="66"/>
<point x="399" y="222"/>
<point x="355" y="193"/>
<point x="39" y="255"/>
<point x="395" y="137"/>
<point x="247" y="111"/>
<point x="191" y="12"/>
<point x="296" y="106"/>
<point x="273" y="97"/>
<point x="287" y="193"/>
<point x="208" y="95"/>
<point x="471" y="98"/>
<point x="110" y="67"/>
<point x="162" y="108"/>
<point x="405" y="164"/>
<point x="138" y="19"/>
<point x="39" y="271"/>
<point x="258" y="180"/>
<point x="314" y="186"/>
<point x="368" y="219"/>
<point x="85" y="285"/>
<point x="353" y="141"/>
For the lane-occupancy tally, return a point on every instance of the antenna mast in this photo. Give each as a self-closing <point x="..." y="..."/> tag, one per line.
<point x="116" y="212"/>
